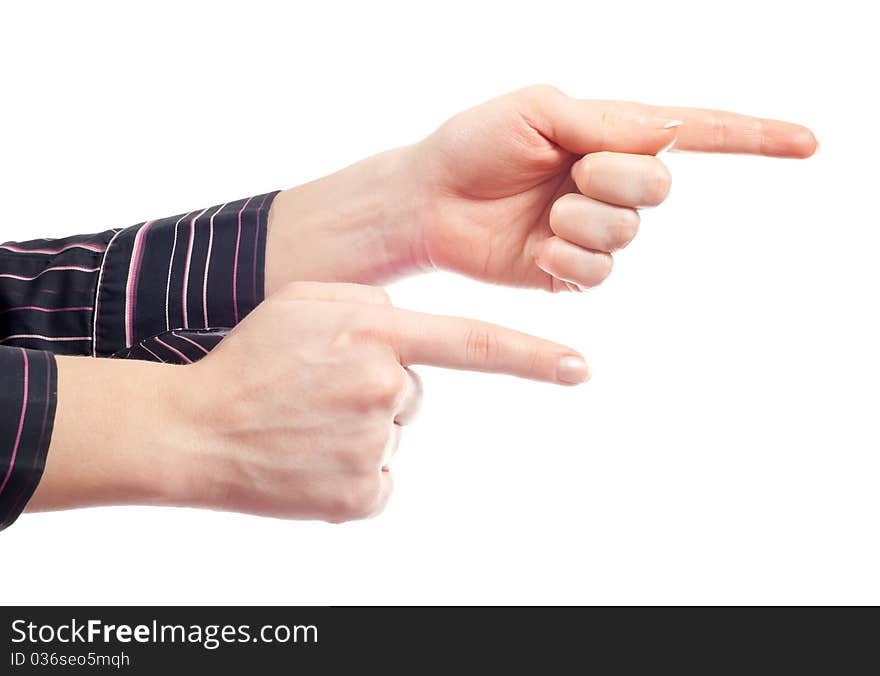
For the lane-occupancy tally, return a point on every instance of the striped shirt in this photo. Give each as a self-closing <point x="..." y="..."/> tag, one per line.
<point x="166" y="290"/>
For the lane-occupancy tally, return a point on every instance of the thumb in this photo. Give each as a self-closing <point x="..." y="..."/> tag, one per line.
<point x="585" y="126"/>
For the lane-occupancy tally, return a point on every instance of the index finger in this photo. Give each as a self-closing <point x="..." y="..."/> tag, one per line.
<point x="719" y="131"/>
<point x="586" y="126"/>
<point x="467" y="344"/>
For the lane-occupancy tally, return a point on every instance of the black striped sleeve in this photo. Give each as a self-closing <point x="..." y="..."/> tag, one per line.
<point x="47" y="292"/>
<point x="166" y="290"/>
<point x="195" y="271"/>
<point x="179" y="346"/>
<point x="103" y="294"/>
<point x="28" y="390"/>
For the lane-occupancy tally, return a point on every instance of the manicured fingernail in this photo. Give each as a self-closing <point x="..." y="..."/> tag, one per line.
<point x="567" y="283"/>
<point x="656" y="122"/>
<point x="668" y="146"/>
<point x="572" y="370"/>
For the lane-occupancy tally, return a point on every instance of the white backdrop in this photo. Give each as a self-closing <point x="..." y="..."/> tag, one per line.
<point x="726" y="450"/>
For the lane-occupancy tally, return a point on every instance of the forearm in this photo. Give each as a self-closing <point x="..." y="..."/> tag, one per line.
<point x="357" y="225"/>
<point x="119" y="437"/>
<point x="104" y="294"/>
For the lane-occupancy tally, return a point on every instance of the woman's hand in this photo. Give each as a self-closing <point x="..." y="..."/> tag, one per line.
<point x="538" y="189"/>
<point x="530" y="189"/>
<point x="296" y="414"/>
<point x="301" y="406"/>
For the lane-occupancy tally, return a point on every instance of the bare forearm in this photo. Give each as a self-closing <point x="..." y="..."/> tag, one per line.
<point x="118" y="437"/>
<point x="356" y="225"/>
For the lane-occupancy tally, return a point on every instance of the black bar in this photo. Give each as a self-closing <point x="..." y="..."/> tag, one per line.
<point x="418" y="639"/>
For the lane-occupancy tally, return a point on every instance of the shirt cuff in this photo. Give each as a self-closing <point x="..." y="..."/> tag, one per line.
<point x="28" y="392"/>
<point x="195" y="271"/>
<point x="180" y="346"/>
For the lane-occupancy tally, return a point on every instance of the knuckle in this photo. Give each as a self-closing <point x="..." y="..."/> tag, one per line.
<point x="561" y="208"/>
<point x="719" y="133"/>
<point x="383" y="387"/>
<point x="365" y="456"/>
<point x="534" y="358"/>
<point x="370" y="324"/>
<point x="765" y="141"/>
<point x="608" y="120"/>
<point x="659" y="183"/>
<point x="602" y="269"/>
<point x="539" y="91"/>
<point x="375" y="442"/>
<point x="353" y="459"/>
<point x="582" y="173"/>
<point x="624" y="230"/>
<point x="481" y="345"/>
<point x="356" y="499"/>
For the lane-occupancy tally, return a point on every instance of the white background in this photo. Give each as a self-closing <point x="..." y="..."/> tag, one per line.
<point x="726" y="450"/>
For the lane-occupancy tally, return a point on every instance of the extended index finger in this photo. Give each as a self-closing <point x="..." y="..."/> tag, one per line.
<point x="719" y="131"/>
<point x="586" y="126"/>
<point x="458" y="343"/>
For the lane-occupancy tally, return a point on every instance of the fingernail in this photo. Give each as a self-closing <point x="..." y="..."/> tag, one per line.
<point x="570" y="285"/>
<point x="668" y="146"/>
<point x="572" y="370"/>
<point x="655" y="122"/>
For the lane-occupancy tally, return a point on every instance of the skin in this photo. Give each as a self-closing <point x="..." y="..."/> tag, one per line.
<point x="298" y="413"/>
<point x="498" y="192"/>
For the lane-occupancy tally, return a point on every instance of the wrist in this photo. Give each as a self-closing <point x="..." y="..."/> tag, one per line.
<point x="204" y="459"/>
<point x="360" y="224"/>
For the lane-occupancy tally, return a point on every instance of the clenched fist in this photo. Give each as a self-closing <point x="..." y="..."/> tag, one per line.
<point x="299" y="410"/>
<point x="534" y="189"/>
<point x="295" y="414"/>
<point x="538" y="189"/>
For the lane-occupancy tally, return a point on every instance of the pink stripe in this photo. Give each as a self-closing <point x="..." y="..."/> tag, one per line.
<point x="152" y="353"/>
<point x="25" y="484"/>
<point x="97" y="248"/>
<point x="34" y="308"/>
<point x="235" y="266"/>
<point x="75" y="268"/>
<point x="208" y="265"/>
<point x="256" y="244"/>
<point x="51" y="339"/>
<point x="191" y="342"/>
<point x="168" y="282"/>
<point x="131" y="285"/>
<point x="177" y="352"/>
<point x="20" y="422"/>
<point x="189" y="250"/>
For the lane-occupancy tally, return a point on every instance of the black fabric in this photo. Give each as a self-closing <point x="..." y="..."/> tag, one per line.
<point x="166" y="290"/>
<point x="27" y="412"/>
